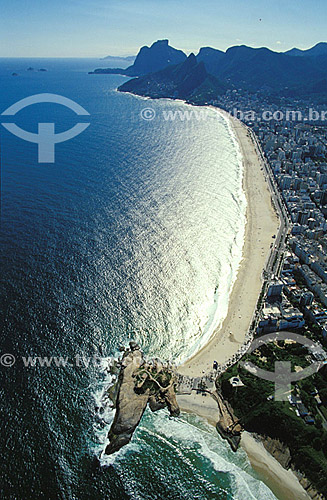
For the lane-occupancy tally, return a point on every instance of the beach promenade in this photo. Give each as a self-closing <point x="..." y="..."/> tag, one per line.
<point x="262" y="225"/>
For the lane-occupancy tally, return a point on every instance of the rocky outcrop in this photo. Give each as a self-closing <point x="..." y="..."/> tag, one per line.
<point x="183" y="81"/>
<point x="143" y="382"/>
<point x="129" y="405"/>
<point x="228" y="425"/>
<point x="309" y="488"/>
<point x="278" y="450"/>
<point x="282" y="454"/>
<point x="139" y="382"/>
<point x="148" y="60"/>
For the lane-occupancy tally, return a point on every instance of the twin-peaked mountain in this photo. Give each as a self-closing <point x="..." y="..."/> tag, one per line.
<point x="178" y="81"/>
<point x="164" y="71"/>
<point x="149" y="59"/>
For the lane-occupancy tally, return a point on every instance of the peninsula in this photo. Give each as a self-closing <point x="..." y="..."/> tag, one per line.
<point x="201" y="384"/>
<point x="143" y="382"/>
<point x="140" y="382"/>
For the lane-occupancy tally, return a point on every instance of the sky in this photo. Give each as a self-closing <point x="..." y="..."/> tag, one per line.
<point x="96" y="28"/>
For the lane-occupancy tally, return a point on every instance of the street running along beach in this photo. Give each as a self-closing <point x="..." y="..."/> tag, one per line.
<point x="262" y="224"/>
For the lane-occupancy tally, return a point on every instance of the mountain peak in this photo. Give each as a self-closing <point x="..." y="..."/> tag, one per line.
<point x="209" y="50"/>
<point x="182" y="80"/>
<point x="155" y="58"/>
<point x="192" y="58"/>
<point x="320" y="49"/>
<point x="163" y="42"/>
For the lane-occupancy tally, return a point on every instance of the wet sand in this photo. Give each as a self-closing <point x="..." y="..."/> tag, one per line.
<point x="283" y="483"/>
<point x="261" y="224"/>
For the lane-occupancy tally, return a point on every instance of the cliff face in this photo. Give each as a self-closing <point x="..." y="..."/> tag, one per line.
<point x="182" y="81"/>
<point x="139" y="383"/>
<point x="278" y="450"/>
<point x="129" y="405"/>
<point x="282" y="454"/>
<point x="228" y="425"/>
<point x="154" y="58"/>
<point x="149" y="59"/>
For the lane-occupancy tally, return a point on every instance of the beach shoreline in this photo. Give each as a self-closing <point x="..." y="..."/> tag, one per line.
<point x="262" y="224"/>
<point x="282" y="482"/>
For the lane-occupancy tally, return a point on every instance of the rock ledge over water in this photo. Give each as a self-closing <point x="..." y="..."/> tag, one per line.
<point x="140" y="382"/>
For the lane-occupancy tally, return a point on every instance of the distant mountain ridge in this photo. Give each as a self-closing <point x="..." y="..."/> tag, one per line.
<point x="149" y="59"/>
<point x="240" y="66"/>
<point x="320" y="49"/>
<point x="117" y="58"/>
<point x="255" y="68"/>
<point x="187" y="80"/>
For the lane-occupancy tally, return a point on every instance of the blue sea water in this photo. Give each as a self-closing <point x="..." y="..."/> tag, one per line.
<point x="135" y="232"/>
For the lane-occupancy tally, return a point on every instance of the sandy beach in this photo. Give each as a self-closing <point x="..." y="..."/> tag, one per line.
<point x="283" y="483"/>
<point x="261" y="224"/>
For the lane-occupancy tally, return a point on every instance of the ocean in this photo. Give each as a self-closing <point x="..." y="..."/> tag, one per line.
<point x="135" y="232"/>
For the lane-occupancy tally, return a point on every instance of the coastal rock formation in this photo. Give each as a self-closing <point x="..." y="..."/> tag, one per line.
<point x="228" y="425"/>
<point x="149" y="59"/>
<point x="143" y="382"/>
<point x="139" y="382"/>
<point x="278" y="450"/>
<point x="282" y="454"/>
<point x="180" y="81"/>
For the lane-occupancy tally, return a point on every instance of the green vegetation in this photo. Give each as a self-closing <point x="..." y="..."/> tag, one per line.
<point x="149" y="379"/>
<point x="266" y="356"/>
<point x="258" y="412"/>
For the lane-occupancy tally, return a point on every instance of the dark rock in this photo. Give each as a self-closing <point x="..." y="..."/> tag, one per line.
<point x="129" y="405"/>
<point x="278" y="450"/>
<point x="139" y="383"/>
<point x="182" y="81"/>
<point x="148" y="60"/>
<point x="133" y="346"/>
<point x="157" y="402"/>
<point x="171" y="401"/>
<point x="228" y="425"/>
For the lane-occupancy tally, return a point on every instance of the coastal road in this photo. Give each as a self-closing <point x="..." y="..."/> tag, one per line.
<point x="274" y="262"/>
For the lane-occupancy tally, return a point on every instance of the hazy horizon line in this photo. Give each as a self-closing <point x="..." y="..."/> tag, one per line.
<point x="123" y="56"/>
